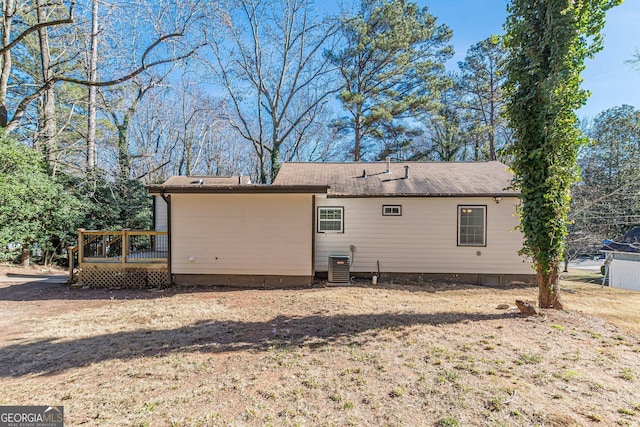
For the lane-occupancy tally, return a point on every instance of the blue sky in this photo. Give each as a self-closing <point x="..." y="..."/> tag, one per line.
<point x="610" y="80"/>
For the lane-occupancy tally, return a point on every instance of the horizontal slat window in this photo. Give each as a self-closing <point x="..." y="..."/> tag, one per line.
<point x="391" y="210"/>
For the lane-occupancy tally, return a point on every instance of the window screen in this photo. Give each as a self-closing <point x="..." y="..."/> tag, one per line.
<point x="471" y="225"/>
<point x="330" y="219"/>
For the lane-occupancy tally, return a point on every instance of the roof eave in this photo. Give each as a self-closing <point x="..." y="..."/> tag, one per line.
<point x="379" y="195"/>
<point x="618" y="251"/>
<point x="237" y="189"/>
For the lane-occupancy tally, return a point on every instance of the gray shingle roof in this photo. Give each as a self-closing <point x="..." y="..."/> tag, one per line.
<point x="179" y="181"/>
<point x="629" y="242"/>
<point x="425" y="178"/>
<point x="227" y="185"/>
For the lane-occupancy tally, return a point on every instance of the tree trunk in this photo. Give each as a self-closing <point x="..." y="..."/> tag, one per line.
<point x="357" y="146"/>
<point x="26" y="255"/>
<point x="263" y="169"/>
<point x="93" y="76"/>
<point x="492" y="144"/>
<point x="48" y="131"/>
<point x="123" y="150"/>
<point x="549" y="288"/>
<point x="5" y="70"/>
<point x="188" y="152"/>
<point x="492" y="126"/>
<point x="275" y="161"/>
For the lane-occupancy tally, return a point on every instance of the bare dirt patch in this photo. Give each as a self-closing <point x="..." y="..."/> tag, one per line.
<point x="362" y="355"/>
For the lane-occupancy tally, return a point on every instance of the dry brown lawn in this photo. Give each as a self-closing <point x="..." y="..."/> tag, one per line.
<point x="431" y="354"/>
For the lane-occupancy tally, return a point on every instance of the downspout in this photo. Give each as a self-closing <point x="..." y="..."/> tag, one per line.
<point x="167" y="199"/>
<point x="313" y="236"/>
<point x="153" y="220"/>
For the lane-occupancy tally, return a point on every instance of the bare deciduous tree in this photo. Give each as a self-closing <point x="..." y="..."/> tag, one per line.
<point x="165" y="29"/>
<point x="184" y="130"/>
<point x="16" y="26"/>
<point x="275" y="73"/>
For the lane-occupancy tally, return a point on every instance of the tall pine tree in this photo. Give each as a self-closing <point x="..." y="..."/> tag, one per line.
<point x="482" y="78"/>
<point x="392" y="65"/>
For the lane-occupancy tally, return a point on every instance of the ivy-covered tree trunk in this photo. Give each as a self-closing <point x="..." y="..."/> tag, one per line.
<point x="124" y="159"/>
<point x="548" y="287"/>
<point x="549" y="41"/>
<point x="263" y="169"/>
<point x="275" y="160"/>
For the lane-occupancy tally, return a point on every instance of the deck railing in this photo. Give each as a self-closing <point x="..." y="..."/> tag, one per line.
<point x="123" y="247"/>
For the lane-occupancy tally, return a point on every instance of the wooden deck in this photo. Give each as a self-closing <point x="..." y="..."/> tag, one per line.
<point x="119" y="259"/>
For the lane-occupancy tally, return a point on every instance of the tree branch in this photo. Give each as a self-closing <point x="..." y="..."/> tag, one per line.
<point x="37" y="27"/>
<point x="20" y="110"/>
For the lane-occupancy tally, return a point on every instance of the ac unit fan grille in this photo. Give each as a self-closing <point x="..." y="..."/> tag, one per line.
<point x="339" y="269"/>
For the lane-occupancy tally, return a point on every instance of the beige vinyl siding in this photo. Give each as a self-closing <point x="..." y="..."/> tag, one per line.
<point x="424" y="238"/>
<point x="160" y="214"/>
<point x="244" y="234"/>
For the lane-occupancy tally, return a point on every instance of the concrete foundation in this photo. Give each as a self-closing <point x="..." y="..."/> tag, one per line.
<point x="242" y="281"/>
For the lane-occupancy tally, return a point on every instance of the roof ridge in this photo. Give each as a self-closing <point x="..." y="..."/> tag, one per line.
<point x="395" y="162"/>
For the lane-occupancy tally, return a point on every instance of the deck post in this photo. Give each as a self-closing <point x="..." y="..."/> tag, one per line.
<point x="125" y="244"/>
<point x="70" y="256"/>
<point x="80" y="246"/>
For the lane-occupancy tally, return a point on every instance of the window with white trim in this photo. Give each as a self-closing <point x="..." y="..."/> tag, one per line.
<point x="330" y="219"/>
<point x="391" y="210"/>
<point x="472" y="225"/>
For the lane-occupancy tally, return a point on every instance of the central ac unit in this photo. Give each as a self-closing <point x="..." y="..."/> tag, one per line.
<point x="339" y="269"/>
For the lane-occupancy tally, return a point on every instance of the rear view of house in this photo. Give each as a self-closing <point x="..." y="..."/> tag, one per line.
<point x="446" y="221"/>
